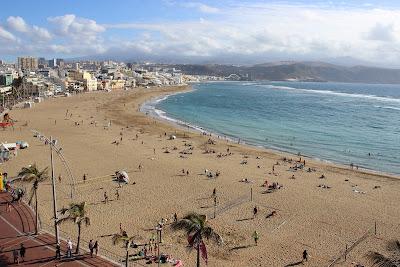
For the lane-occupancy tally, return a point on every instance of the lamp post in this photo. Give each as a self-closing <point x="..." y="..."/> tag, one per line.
<point x="53" y="183"/>
<point x="52" y="142"/>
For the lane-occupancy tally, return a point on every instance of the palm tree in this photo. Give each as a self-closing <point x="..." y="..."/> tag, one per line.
<point x="77" y="214"/>
<point x="195" y="226"/>
<point x="126" y="240"/>
<point x="33" y="174"/>
<point x="392" y="260"/>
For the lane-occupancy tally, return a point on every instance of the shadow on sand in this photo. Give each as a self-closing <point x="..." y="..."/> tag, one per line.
<point x="294" y="264"/>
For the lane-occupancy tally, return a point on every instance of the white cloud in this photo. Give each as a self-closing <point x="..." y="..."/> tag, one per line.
<point x="201" y="7"/>
<point x="41" y="34"/>
<point x="242" y="32"/>
<point x="35" y="33"/>
<point x="381" y="32"/>
<point x="17" y="24"/>
<point x="6" y="36"/>
<point x="75" y="27"/>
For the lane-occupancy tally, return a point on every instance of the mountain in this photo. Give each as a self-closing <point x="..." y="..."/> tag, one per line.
<point x="303" y="71"/>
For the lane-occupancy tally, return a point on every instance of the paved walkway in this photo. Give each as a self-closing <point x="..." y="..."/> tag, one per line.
<point x="17" y="226"/>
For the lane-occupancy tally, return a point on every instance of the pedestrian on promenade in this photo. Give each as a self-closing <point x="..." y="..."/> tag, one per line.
<point x="58" y="251"/>
<point x="91" y="245"/>
<point x="16" y="256"/>
<point x="8" y="208"/>
<point x="22" y="251"/>
<point x="96" y="247"/>
<point x="69" y="248"/>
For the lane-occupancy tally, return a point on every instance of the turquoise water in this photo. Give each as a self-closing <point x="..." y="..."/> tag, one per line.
<point x="344" y="123"/>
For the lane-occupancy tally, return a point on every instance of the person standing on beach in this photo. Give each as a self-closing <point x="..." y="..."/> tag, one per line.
<point x="117" y="194"/>
<point x="255" y="211"/>
<point x="59" y="178"/>
<point x="305" y="256"/>
<point x="22" y="252"/>
<point x="214" y="194"/>
<point x="105" y="197"/>
<point x="256" y="237"/>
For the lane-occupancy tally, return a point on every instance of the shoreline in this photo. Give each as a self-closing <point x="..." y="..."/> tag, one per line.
<point x="151" y="111"/>
<point x="308" y="215"/>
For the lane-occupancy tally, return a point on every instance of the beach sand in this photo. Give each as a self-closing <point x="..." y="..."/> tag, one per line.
<point x="323" y="221"/>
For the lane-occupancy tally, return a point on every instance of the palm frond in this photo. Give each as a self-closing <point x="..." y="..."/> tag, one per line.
<point x="394" y="246"/>
<point x="209" y="233"/>
<point x="381" y="260"/>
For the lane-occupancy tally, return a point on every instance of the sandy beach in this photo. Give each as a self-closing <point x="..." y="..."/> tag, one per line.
<point x="321" y="219"/>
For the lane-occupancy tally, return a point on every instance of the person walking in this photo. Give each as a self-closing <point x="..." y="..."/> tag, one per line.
<point x="105" y="197"/>
<point x="22" y="252"/>
<point x="91" y="247"/>
<point x="117" y="194"/>
<point x="256" y="237"/>
<point x="84" y="177"/>
<point x="58" y="251"/>
<point x="96" y="247"/>
<point x="69" y="248"/>
<point x="16" y="256"/>
<point x="305" y="256"/>
<point x="255" y="211"/>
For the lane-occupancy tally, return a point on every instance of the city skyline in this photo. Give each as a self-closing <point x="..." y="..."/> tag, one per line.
<point x="204" y="32"/>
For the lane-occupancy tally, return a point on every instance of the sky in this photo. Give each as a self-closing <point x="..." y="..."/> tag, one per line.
<point x="220" y="31"/>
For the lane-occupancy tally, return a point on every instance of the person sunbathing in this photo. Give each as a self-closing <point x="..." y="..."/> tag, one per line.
<point x="272" y="214"/>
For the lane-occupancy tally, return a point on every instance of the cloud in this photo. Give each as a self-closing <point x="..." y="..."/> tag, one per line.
<point x="35" y="33"/>
<point x="381" y="32"/>
<point x="75" y="27"/>
<point x="237" y="33"/>
<point x="17" y="24"/>
<point x="6" y="36"/>
<point x="201" y="7"/>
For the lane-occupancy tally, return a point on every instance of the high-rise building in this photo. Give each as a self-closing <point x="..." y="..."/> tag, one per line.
<point x="60" y="62"/>
<point x="42" y="61"/>
<point x="27" y="63"/>
<point x="6" y="79"/>
<point x="52" y="63"/>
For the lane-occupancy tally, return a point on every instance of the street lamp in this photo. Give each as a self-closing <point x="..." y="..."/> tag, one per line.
<point x="53" y="147"/>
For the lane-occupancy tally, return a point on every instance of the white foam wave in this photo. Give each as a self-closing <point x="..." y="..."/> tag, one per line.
<point x="335" y="93"/>
<point x="388" y="107"/>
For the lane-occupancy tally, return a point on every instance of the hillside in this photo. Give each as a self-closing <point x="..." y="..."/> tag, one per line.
<point x="304" y="71"/>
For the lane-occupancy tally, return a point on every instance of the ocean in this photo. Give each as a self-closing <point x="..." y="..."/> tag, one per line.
<point x="336" y="122"/>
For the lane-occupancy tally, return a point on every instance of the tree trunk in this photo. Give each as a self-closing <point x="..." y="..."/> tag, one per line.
<point x="198" y="254"/>
<point x="79" y="238"/>
<point x="37" y="214"/>
<point x="127" y="257"/>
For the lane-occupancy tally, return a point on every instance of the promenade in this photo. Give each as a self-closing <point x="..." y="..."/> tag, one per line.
<point x="17" y="226"/>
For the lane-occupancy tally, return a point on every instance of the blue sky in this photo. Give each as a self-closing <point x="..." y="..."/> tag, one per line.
<point x="225" y="31"/>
